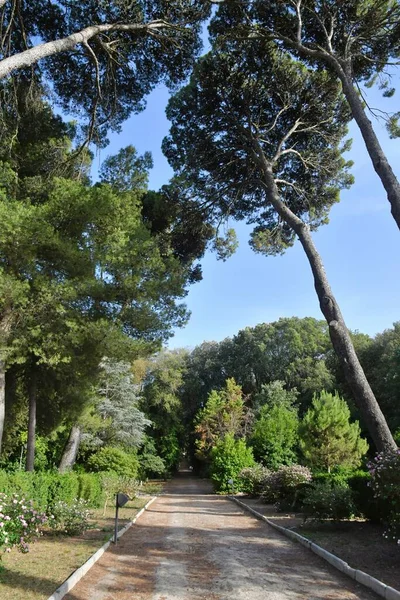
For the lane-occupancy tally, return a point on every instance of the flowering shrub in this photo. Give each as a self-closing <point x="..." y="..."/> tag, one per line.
<point x="19" y="522"/>
<point x="385" y="482"/>
<point x="252" y="479"/>
<point x="325" y="501"/>
<point x="283" y="485"/>
<point x="70" y="519"/>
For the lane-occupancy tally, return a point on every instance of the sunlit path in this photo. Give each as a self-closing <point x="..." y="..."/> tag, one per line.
<point x="192" y="544"/>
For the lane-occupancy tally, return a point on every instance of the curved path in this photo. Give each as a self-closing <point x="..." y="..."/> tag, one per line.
<point x="193" y="545"/>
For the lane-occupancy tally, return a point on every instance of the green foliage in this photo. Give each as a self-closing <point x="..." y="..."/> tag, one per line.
<point x="247" y="95"/>
<point x="327" y="438"/>
<point x="119" y="419"/>
<point x="275" y="431"/>
<point x="224" y="413"/>
<point x="327" y="33"/>
<point x="364" y="499"/>
<point x="228" y="458"/>
<point x="46" y="489"/>
<point x="252" y="479"/>
<point x="150" y="464"/>
<point x="328" y="501"/>
<point x="122" y="66"/>
<point x="170" y="448"/>
<point x="385" y="481"/>
<point x="114" y="460"/>
<point x="70" y="519"/>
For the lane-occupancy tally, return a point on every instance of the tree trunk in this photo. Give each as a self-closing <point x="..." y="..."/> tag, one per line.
<point x="339" y="334"/>
<point x="377" y="155"/>
<point x="30" y="451"/>
<point x="71" y="449"/>
<point x="2" y="398"/>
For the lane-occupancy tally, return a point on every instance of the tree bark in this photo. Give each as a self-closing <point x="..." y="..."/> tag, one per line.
<point x="377" y="155"/>
<point x="71" y="449"/>
<point x="2" y="398"/>
<point x="30" y="451"/>
<point x="339" y="334"/>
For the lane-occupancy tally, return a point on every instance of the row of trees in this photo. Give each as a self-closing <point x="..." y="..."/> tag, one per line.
<point x="324" y="438"/>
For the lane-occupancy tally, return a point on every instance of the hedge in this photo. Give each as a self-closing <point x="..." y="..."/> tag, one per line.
<point x="45" y="489"/>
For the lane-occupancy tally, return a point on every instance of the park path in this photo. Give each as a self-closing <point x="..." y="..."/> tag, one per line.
<point x="193" y="545"/>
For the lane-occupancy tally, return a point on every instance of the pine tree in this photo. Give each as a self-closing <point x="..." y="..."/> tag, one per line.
<point x="327" y="437"/>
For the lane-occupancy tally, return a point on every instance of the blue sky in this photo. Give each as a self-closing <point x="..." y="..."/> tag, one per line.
<point x="360" y="248"/>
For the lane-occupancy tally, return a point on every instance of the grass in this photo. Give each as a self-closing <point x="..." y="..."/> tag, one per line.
<point x="36" y="575"/>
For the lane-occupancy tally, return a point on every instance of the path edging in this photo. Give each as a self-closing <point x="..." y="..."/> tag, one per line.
<point x="380" y="588"/>
<point x="77" y="575"/>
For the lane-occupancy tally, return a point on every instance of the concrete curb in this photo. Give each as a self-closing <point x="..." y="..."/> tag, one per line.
<point x="79" y="573"/>
<point x="380" y="588"/>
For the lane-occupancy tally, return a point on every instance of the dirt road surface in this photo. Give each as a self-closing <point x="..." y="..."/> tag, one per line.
<point x="193" y="545"/>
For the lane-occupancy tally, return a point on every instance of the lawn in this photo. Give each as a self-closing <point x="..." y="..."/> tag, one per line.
<point x="36" y="575"/>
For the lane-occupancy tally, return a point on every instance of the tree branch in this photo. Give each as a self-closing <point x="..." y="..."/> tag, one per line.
<point x="285" y="139"/>
<point x="33" y="55"/>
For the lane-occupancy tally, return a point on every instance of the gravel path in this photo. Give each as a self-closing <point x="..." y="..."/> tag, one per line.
<point x="192" y="545"/>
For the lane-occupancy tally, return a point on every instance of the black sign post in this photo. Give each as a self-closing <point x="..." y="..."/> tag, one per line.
<point x="120" y="501"/>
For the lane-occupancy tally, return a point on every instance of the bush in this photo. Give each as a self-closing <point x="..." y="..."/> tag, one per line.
<point x="48" y="488"/>
<point x="115" y="460"/>
<point x="325" y="501"/>
<point x="63" y="487"/>
<point x="70" y="519"/>
<point x="228" y="458"/>
<point x="283" y="486"/>
<point x="111" y="485"/>
<point x="252" y="479"/>
<point x="366" y="504"/>
<point x="19" y="522"/>
<point x="151" y="466"/>
<point x="89" y="488"/>
<point x="385" y="482"/>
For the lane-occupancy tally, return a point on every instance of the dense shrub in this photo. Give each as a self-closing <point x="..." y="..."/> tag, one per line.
<point x="364" y="499"/>
<point x="283" y="485"/>
<point x="385" y="482"/>
<point x="90" y="489"/>
<point x="116" y="460"/>
<point x="62" y="488"/>
<point x="228" y="458"/>
<point x="275" y="436"/>
<point x="71" y="519"/>
<point x="45" y="489"/>
<point x="19" y="522"/>
<point x="328" y="501"/>
<point x="251" y="479"/>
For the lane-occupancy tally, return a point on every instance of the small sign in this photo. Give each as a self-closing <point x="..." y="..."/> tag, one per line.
<point x="122" y="499"/>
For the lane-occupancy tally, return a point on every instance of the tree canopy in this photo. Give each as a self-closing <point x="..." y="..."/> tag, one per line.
<point x="354" y="41"/>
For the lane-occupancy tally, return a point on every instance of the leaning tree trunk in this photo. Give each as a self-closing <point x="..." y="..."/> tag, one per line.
<point x="71" y="449"/>
<point x="377" y="155"/>
<point x="2" y="398"/>
<point x="339" y="334"/>
<point x="32" y="394"/>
